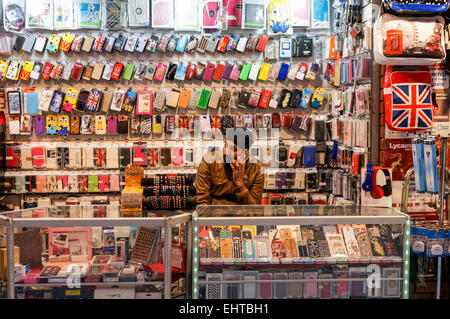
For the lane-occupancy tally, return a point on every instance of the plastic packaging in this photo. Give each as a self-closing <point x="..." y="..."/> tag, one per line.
<point x="254" y="14"/>
<point x="64" y="14"/>
<point x="162" y="14"/>
<point x="89" y="14"/>
<point x="138" y="13"/>
<point x="279" y="17"/>
<point x="39" y="14"/>
<point x="114" y="14"/>
<point x="435" y="243"/>
<point x="409" y="40"/>
<point x="419" y="240"/>
<point x="186" y="15"/>
<point x="14" y="15"/>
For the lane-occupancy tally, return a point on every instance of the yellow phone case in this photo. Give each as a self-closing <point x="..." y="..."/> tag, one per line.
<point x="264" y="72"/>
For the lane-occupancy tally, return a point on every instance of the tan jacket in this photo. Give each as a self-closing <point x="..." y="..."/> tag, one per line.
<point x="214" y="184"/>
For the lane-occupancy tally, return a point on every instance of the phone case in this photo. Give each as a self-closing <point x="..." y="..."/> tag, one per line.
<point x="98" y="71"/>
<point x="282" y="74"/>
<point x="97" y="46"/>
<point x="262" y="43"/>
<point x="236" y="72"/>
<point x="227" y="71"/>
<point x="254" y="98"/>
<point x="223" y="43"/>
<point x="157" y="125"/>
<point x="76" y="43"/>
<point x="212" y="44"/>
<point x="160" y="72"/>
<point x="245" y="72"/>
<point x="190" y="72"/>
<point x="40" y="43"/>
<point x="209" y="71"/>
<point x="171" y="71"/>
<point x="183" y="101"/>
<point x="128" y="71"/>
<point x="117" y="71"/>
<point x="195" y="96"/>
<point x="14" y="70"/>
<point x="53" y="43"/>
<point x="77" y="71"/>
<point x="94" y="98"/>
<point x="244" y="98"/>
<point x="150" y="71"/>
<point x="26" y="70"/>
<point x="107" y="72"/>
<point x="51" y="124"/>
<point x="112" y="124"/>
<point x="82" y="100"/>
<point x="265" y="98"/>
<point x="56" y="102"/>
<point x="14" y="102"/>
<point x="100" y="124"/>
<point x="226" y="97"/>
<point x="105" y="101"/>
<point x="36" y="72"/>
<point x="87" y="44"/>
<point x="74" y="124"/>
<point x="39" y="125"/>
<point x="159" y="103"/>
<point x="182" y="42"/>
<point x="253" y="75"/>
<point x="180" y="74"/>
<point x="172" y="101"/>
<point x="200" y="70"/>
<point x="129" y="101"/>
<point x="242" y="44"/>
<point x="214" y="99"/>
<point x="218" y="72"/>
<point x="204" y="99"/>
<point x="141" y="43"/>
<point x="122" y="124"/>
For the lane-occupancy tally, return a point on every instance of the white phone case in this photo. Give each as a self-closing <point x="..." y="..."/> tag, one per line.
<point x="109" y="66"/>
<point x="242" y="44"/>
<point x="39" y="45"/>
<point x="253" y="75"/>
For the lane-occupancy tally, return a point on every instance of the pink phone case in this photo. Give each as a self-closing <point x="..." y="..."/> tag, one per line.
<point x="209" y="72"/>
<point x="160" y="71"/>
<point x="235" y="74"/>
<point x="103" y="183"/>
<point x="265" y="291"/>
<point x="114" y="183"/>
<point x="310" y="286"/>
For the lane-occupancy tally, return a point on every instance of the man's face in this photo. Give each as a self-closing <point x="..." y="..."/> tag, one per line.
<point x="233" y="153"/>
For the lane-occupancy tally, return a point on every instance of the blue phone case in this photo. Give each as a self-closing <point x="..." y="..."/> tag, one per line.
<point x="181" y="71"/>
<point x="56" y="103"/>
<point x="309" y="156"/>
<point x="283" y="71"/>
<point x="306" y="96"/>
<point x="182" y="42"/>
<point x="249" y="249"/>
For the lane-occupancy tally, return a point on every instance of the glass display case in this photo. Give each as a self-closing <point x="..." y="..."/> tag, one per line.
<point x="299" y="252"/>
<point x="94" y="252"/>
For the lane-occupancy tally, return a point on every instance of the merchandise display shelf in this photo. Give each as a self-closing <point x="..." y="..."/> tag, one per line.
<point x="83" y="216"/>
<point x="209" y="271"/>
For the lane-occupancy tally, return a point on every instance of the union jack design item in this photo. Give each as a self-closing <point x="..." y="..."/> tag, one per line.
<point x="98" y="44"/>
<point x="77" y="43"/>
<point x="99" y="157"/>
<point x="93" y="100"/>
<point x="408" y="100"/>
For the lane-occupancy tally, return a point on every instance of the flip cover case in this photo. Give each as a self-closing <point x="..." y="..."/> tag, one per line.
<point x="99" y="157"/>
<point x="88" y="157"/>
<point x="204" y="99"/>
<point x="83" y="183"/>
<point x="112" y="157"/>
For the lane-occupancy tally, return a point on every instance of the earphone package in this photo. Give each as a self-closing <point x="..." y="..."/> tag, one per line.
<point x="418" y="240"/>
<point x="419" y="164"/>
<point x="435" y="243"/>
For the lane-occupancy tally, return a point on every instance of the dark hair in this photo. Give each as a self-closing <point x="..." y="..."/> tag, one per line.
<point x="242" y="138"/>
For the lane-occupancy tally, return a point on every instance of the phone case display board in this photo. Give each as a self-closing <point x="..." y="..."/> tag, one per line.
<point x="299" y="252"/>
<point x="112" y="251"/>
<point x="98" y="78"/>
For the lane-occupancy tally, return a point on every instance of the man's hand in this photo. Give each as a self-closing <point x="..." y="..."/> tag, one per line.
<point x="238" y="173"/>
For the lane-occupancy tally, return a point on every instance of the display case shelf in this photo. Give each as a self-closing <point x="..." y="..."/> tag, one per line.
<point x="217" y="274"/>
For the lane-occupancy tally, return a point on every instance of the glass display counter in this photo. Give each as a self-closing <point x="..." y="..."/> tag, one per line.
<point x="94" y="252"/>
<point x="281" y="252"/>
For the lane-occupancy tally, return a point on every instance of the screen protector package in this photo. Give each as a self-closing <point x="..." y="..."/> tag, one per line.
<point x="89" y="14"/>
<point x="138" y="13"/>
<point x="14" y="15"/>
<point x="114" y="14"/>
<point x="64" y="14"/>
<point x="254" y="14"/>
<point x="39" y="14"/>
<point x="186" y="15"/>
<point x="162" y="14"/>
